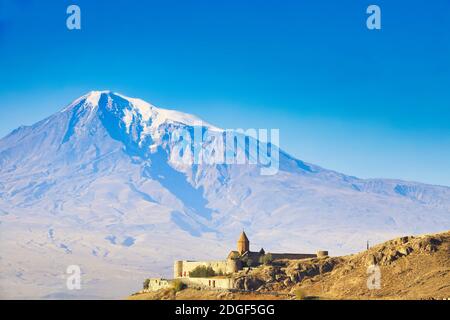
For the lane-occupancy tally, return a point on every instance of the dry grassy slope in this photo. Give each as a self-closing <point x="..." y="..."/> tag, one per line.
<point x="194" y="294"/>
<point x="411" y="268"/>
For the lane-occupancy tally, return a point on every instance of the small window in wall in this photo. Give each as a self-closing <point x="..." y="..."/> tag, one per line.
<point x="214" y="283"/>
<point x="185" y="274"/>
<point x="209" y="283"/>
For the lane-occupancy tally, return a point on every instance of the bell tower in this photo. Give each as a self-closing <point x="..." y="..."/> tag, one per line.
<point x="243" y="245"/>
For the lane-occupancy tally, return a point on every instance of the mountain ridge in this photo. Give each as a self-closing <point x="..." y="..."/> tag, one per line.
<point x="94" y="95"/>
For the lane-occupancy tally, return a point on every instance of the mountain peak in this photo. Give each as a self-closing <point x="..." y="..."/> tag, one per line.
<point x="135" y="108"/>
<point x="93" y="97"/>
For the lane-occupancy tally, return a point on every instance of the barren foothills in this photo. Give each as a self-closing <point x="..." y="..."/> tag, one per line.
<point x="411" y="268"/>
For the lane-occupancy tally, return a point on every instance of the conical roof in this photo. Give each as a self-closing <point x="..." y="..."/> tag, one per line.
<point x="243" y="237"/>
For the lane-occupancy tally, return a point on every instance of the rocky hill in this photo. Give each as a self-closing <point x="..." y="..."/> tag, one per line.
<point x="411" y="268"/>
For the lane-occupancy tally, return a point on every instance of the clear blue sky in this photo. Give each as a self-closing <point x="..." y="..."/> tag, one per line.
<point x="365" y="103"/>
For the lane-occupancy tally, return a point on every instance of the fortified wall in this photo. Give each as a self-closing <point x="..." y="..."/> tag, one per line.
<point x="182" y="269"/>
<point x="225" y="269"/>
<point x="158" y="283"/>
<point x="292" y="256"/>
<point x="210" y="283"/>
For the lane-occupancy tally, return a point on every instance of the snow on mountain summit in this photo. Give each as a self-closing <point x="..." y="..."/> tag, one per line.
<point x="138" y="109"/>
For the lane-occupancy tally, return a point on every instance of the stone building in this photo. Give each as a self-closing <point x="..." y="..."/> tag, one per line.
<point x="235" y="260"/>
<point x="224" y="269"/>
<point x="158" y="283"/>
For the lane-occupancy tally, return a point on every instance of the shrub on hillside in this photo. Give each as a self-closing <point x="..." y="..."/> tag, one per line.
<point x="178" y="285"/>
<point x="266" y="259"/>
<point x="202" y="272"/>
<point x="146" y="284"/>
<point x="248" y="262"/>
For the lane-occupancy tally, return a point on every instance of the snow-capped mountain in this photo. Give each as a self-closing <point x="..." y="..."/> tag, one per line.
<point x="102" y="184"/>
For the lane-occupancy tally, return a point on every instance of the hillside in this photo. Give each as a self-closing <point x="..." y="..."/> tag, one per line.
<point x="411" y="268"/>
